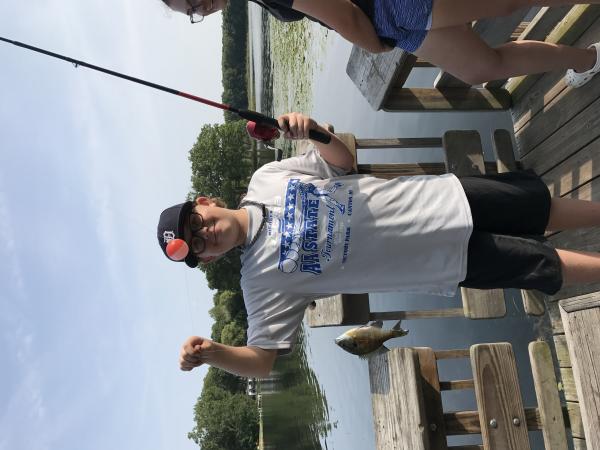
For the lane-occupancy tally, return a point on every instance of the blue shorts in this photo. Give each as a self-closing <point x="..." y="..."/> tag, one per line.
<point x="404" y="23"/>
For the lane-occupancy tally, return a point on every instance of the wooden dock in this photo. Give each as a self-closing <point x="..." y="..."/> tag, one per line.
<point x="557" y="134"/>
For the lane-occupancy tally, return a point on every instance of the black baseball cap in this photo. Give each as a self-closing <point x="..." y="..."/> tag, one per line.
<point x="170" y="226"/>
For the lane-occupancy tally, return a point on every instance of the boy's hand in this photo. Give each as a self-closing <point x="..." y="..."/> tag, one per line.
<point x="296" y="125"/>
<point x="193" y="352"/>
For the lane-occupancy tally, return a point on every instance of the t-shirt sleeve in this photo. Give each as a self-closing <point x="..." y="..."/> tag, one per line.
<point x="274" y="318"/>
<point x="312" y="163"/>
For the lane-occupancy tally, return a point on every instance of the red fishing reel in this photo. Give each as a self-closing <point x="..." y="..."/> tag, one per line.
<point x="261" y="132"/>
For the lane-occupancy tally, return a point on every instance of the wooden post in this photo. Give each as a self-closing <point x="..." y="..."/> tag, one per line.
<point x="432" y="397"/>
<point x="551" y="415"/>
<point x="501" y="413"/>
<point x="399" y="416"/>
<point x="581" y="316"/>
<point x="464" y="156"/>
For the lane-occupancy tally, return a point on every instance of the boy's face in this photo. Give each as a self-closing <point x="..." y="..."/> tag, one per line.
<point x="219" y="231"/>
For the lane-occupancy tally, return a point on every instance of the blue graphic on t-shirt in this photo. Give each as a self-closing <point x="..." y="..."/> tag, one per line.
<point x="299" y="241"/>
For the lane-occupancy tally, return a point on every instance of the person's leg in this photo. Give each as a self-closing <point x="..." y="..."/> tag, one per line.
<point x="461" y="52"/>
<point x="579" y="267"/>
<point x="450" y="13"/>
<point x="567" y="213"/>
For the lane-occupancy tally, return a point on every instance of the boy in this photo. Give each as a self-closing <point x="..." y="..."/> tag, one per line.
<point x="308" y="229"/>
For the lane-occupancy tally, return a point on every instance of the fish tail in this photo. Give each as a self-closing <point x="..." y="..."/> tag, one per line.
<point x="399" y="332"/>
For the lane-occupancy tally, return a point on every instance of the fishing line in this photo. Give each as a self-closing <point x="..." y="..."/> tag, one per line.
<point x="251" y="116"/>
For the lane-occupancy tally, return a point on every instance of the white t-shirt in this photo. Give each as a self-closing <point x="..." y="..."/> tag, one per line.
<point x="328" y="233"/>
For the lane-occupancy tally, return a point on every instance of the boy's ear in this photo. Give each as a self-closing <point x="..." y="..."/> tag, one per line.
<point x="204" y="201"/>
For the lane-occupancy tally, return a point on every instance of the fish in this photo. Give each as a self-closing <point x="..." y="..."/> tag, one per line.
<point x="368" y="339"/>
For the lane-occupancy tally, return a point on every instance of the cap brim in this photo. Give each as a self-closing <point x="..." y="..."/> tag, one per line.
<point x="187" y="207"/>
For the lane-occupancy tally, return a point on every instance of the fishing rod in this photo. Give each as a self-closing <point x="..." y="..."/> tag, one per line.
<point x="251" y="116"/>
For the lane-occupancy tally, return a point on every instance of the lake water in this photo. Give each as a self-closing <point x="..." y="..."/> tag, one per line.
<point x="312" y="79"/>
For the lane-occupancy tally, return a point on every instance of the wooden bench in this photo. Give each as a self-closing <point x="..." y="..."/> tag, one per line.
<point x="408" y="414"/>
<point x="381" y="78"/>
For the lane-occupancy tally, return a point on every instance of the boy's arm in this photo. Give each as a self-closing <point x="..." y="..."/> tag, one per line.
<point x="296" y="126"/>
<point x="347" y="19"/>
<point x="243" y="361"/>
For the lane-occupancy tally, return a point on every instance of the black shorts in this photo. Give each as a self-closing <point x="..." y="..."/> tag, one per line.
<point x="507" y="248"/>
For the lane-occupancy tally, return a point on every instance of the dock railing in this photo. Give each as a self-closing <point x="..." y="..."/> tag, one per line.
<point x="406" y="397"/>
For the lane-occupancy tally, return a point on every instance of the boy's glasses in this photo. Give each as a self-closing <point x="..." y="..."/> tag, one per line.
<point x="193" y="13"/>
<point x="196" y="224"/>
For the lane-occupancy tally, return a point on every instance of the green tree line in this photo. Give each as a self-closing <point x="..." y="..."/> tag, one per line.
<point x="234" y="60"/>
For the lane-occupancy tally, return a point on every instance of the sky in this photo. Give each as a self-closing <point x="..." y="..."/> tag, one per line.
<point x="92" y="314"/>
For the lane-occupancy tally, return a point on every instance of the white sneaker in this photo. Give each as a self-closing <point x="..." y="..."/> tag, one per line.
<point x="575" y="79"/>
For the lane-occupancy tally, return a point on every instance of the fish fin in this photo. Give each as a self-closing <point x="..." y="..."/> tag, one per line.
<point x="397" y="325"/>
<point x="400" y="333"/>
<point x="379" y="351"/>
<point x="376" y="323"/>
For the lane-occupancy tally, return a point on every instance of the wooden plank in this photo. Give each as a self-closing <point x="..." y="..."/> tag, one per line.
<point x="421" y="314"/>
<point x="468" y="422"/>
<point x="503" y="151"/>
<point x="549" y="86"/>
<point x="390" y="171"/>
<point x="575" y="171"/>
<point x="424" y="142"/>
<point x="575" y="420"/>
<point x="463" y="157"/>
<point x="494" y="31"/>
<point x="581" y="318"/>
<point x="463" y="152"/>
<point x="582" y="303"/>
<point x="555" y="320"/>
<point x="374" y="75"/>
<point x="562" y="351"/>
<point x="499" y="398"/>
<point x="341" y="309"/>
<point x="568" y="30"/>
<point x="483" y="304"/>
<point x="397" y="399"/>
<point x="567" y="383"/>
<point x="452" y="354"/>
<point x="447" y="99"/>
<point x="544" y="22"/>
<point x="539" y="27"/>
<point x="560" y="121"/>
<point x="432" y="396"/>
<point x="533" y="302"/>
<point x="456" y="385"/>
<point x="553" y="425"/>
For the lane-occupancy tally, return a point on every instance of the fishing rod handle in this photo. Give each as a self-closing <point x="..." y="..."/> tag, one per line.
<point x="257" y="117"/>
